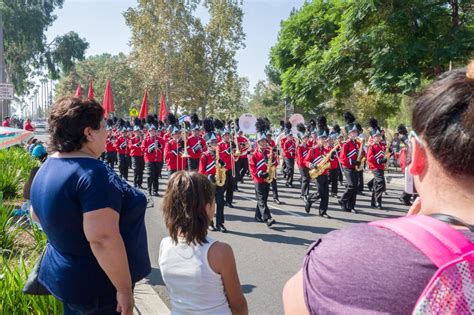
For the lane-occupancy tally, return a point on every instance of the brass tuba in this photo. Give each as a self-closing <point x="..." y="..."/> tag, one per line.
<point x="220" y="172"/>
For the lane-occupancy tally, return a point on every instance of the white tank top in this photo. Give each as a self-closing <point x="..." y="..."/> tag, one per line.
<point x="193" y="286"/>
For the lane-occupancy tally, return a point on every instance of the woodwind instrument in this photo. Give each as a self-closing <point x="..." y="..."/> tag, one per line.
<point x="324" y="165"/>
<point x="220" y="171"/>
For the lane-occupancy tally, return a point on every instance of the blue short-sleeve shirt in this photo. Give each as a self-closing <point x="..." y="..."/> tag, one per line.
<point x="62" y="191"/>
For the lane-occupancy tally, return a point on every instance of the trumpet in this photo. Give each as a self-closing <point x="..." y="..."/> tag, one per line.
<point x="184" y="135"/>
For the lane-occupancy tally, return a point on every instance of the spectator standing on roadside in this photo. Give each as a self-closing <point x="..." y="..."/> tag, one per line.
<point x="199" y="272"/>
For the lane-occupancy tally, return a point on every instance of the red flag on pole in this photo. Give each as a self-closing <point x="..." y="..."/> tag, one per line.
<point x="79" y="90"/>
<point x="90" y="94"/>
<point x="108" y="102"/>
<point x="163" y="110"/>
<point x="144" y="108"/>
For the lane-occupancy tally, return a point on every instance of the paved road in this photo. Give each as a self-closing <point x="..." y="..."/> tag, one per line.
<point x="267" y="258"/>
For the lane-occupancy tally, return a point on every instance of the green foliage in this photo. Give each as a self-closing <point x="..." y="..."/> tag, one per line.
<point x="8" y="230"/>
<point x="191" y="63"/>
<point x="15" y="167"/>
<point x="26" y="49"/>
<point x="266" y="101"/>
<point x="127" y="86"/>
<point x="389" y="47"/>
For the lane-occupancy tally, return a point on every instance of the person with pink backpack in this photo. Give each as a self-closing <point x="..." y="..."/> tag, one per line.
<point x="422" y="263"/>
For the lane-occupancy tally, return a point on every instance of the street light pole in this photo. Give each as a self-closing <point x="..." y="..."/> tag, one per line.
<point x="2" y="63"/>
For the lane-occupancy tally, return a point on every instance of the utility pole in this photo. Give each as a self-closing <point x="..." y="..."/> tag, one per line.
<point x="2" y="65"/>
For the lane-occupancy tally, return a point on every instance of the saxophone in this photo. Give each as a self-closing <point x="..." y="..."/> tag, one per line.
<point x="360" y="158"/>
<point x="220" y="172"/>
<point x="271" y="169"/>
<point x="324" y="165"/>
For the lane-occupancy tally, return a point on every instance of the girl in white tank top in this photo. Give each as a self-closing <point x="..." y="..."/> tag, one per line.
<point x="200" y="273"/>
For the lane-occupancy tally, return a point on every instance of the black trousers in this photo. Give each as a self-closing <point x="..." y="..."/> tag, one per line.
<point x="333" y="180"/>
<point x="123" y="165"/>
<point x="304" y="181"/>
<point x="290" y="170"/>
<point x="261" y="192"/>
<point x="379" y="186"/>
<point x="220" y="205"/>
<point x="340" y="176"/>
<point x="370" y="184"/>
<point x="241" y="168"/>
<point x="360" y="182"/>
<point x="193" y="164"/>
<point x="322" y="185"/>
<point x="138" y="168"/>
<point x="274" y="186"/>
<point x="154" y="170"/>
<point x="111" y="158"/>
<point x="229" y="186"/>
<point x="350" y="195"/>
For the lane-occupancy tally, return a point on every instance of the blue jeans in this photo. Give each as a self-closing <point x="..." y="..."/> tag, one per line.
<point x="99" y="307"/>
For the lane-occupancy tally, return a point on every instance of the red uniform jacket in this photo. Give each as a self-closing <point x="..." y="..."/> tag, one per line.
<point x="334" y="162"/>
<point x="243" y="142"/>
<point x="196" y="146"/>
<point x="153" y="149"/>
<point x="135" y="146"/>
<point x="301" y="155"/>
<point x="28" y="127"/>
<point x="258" y="164"/>
<point x="173" y="156"/>
<point x="122" y="145"/>
<point x="316" y="156"/>
<point x="375" y="153"/>
<point x="225" y="154"/>
<point x="110" y="145"/>
<point x="207" y="164"/>
<point x="289" y="149"/>
<point x="349" y="153"/>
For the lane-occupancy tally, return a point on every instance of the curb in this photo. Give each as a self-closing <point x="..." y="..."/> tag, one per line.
<point x="148" y="302"/>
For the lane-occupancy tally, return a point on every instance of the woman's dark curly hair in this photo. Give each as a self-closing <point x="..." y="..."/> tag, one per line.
<point x="67" y="121"/>
<point x="184" y="206"/>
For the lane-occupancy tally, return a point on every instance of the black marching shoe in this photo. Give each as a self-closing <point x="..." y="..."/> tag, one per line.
<point x="354" y="211"/>
<point x="228" y="204"/>
<point x="307" y="206"/>
<point x="334" y="195"/>
<point x="378" y="205"/>
<point x="324" y="214"/>
<point x="222" y="228"/>
<point x="156" y="194"/>
<point x="275" y="200"/>
<point x="212" y="227"/>
<point x="343" y="206"/>
<point x="373" y="204"/>
<point x="258" y="219"/>
<point x="270" y="222"/>
<point x="405" y="201"/>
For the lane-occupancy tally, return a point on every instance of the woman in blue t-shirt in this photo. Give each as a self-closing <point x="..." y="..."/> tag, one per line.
<point x="97" y="245"/>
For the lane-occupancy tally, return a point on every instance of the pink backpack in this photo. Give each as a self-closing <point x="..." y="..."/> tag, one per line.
<point x="451" y="289"/>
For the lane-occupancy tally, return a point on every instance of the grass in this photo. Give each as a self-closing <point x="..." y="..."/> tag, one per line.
<point x="20" y="242"/>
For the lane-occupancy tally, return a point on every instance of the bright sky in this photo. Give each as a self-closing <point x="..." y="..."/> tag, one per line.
<point x="102" y="24"/>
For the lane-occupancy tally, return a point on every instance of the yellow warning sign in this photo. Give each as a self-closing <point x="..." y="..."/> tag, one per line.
<point x="134" y="112"/>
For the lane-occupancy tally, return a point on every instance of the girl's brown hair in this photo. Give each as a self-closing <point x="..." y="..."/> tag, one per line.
<point x="184" y="206"/>
<point x="444" y="116"/>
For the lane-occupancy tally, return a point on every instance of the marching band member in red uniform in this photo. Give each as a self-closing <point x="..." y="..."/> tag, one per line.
<point x="153" y="147"/>
<point x="196" y="146"/>
<point x="226" y="153"/>
<point x="335" y="168"/>
<point x="314" y="160"/>
<point x="274" y="184"/>
<point x="289" y="154"/>
<point x="174" y="149"/>
<point x="207" y="166"/>
<point x="376" y="159"/>
<point x="110" y="150"/>
<point x="136" y="153"/>
<point x="348" y="158"/>
<point x="121" y="144"/>
<point x="242" y="165"/>
<point x="258" y="164"/>
<point x="301" y="154"/>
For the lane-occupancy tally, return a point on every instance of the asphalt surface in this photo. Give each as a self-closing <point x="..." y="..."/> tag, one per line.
<point x="268" y="257"/>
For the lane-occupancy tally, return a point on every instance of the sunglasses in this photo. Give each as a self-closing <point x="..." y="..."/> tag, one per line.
<point x="417" y="138"/>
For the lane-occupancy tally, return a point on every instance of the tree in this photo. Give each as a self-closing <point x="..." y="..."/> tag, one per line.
<point x="390" y="46"/>
<point x="190" y="62"/>
<point x="266" y="101"/>
<point x="126" y="84"/>
<point x="26" y="49"/>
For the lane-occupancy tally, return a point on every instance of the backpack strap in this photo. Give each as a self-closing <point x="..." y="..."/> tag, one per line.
<point x="436" y="239"/>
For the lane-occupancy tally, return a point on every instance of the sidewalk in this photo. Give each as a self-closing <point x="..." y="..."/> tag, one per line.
<point x="148" y="302"/>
